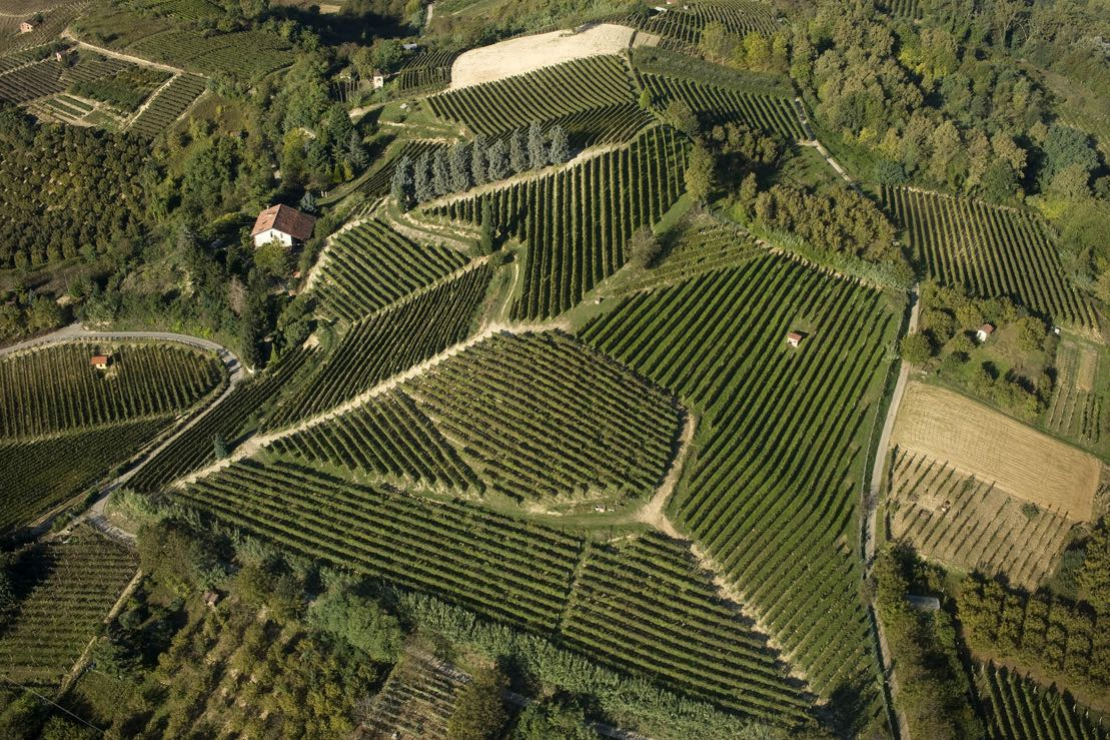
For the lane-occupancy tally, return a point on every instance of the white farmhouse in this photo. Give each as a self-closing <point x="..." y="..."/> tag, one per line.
<point x="283" y="225"/>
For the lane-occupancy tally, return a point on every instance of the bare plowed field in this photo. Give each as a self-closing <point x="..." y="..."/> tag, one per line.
<point x="981" y="442"/>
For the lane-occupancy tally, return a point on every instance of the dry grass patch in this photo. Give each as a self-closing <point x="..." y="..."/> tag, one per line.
<point x="978" y="441"/>
<point x="529" y="53"/>
<point x="968" y="523"/>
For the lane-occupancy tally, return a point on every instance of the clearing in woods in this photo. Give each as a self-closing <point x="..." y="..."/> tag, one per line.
<point x="529" y="53"/>
<point x="978" y="441"/>
<point x="959" y="520"/>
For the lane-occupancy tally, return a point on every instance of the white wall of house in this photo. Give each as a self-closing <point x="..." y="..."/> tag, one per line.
<point x="265" y="237"/>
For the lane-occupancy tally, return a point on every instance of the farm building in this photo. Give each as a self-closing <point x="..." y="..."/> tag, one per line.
<point x="793" y="339"/>
<point x="984" y="332"/>
<point x="283" y="225"/>
<point x="379" y="79"/>
<point x="26" y="26"/>
<point x="100" y="362"/>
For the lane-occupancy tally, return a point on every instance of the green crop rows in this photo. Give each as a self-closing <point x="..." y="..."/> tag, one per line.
<point x="498" y="107"/>
<point x="371" y="265"/>
<point x="195" y="447"/>
<point x="245" y="54"/>
<point x="388" y="437"/>
<point x="1017" y="707"/>
<point x="167" y="105"/>
<point x="989" y="250"/>
<point x="391" y="341"/>
<point x="44" y="391"/>
<point x="655" y="620"/>
<point x="37" y="475"/>
<point x="64" y="590"/>
<point x="682" y="27"/>
<point x="567" y="421"/>
<point x="718" y="104"/>
<point x="426" y="71"/>
<point x="770" y="495"/>
<point x="577" y="221"/>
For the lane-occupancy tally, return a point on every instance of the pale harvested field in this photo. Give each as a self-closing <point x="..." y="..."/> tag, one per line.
<point x="529" y="53"/>
<point x="961" y="521"/>
<point x="978" y="441"/>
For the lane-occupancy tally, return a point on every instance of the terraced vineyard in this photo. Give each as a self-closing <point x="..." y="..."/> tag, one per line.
<point x="521" y="574"/>
<point x="682" y="27"/>
<point x="610" y="124"/>
<point x="47" y="390"/>
<point x="627" y="603"/>
<point x="991" y="251"/>
<point x="64" y="589"/>
<point x="377" y="183"/>
<point x="554" y="92"/>
<point x="165" y="107"/>
<point x="242" y="54"/>
<point x="577" y="221"/>
<point x="717" y="104"/>
<point x="387" y="438"/>
<point x="416" y="701"/>
<point x="391" y="341"/>
<point x="37" y="475"/>
<point x="371" y="265"/>
<point x="195" y="447"/>
<point x="568" y="423"/>
<point x="779" y="457"/>
<point x="960" y="521"/>
<point x="1017" y="707"/>
<point x="515" y="572"/>
<point x="37" y="80"/>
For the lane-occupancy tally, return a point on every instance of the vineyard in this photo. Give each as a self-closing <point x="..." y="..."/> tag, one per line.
<point x="189" y="10"/>
<point x="972" y="525"/>
<point x="681" y="28"/>
<point x="641" y="595"/>
<point x="554" y="92"/>
<point x="377" y="181"/>
<point x="569" y="424"/>
<point x="52" y="389"/>
<point x="371" y="265"/>
<point x="386" y="438"/>
<point x="37" y="475"/>
<point x="416" y="701"/>
<point x="36" y="80"/>
<point x="577" y="221"/>
<point x="242" y="54"/>
<point x="703" y="245"/>
<point x="65" y="589"/>
<point x="1017" y="707"/>
<point x="168" y="105"/>
<point x="426" y="71"/>
<point x="989" y="250"/>
<point x="195" y="447"/>
<point x="779" y="457"/>
<point x="718" y="104"/>
<point x="390" y="341"/>
<point x="1076" y="408"/>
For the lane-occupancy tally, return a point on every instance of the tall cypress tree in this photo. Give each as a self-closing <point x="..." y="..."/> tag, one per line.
<point x="440" y="173"/>
<point x="459" y="166"/>
<point x="478" y="161"/>
<point x="518" y="154"/>
<point x="401" y="186"/>
<point x="498" y="160"/>
<point x="422" y="178"/>
<point x="537" y="150"/>
<point x="560" y="145"/>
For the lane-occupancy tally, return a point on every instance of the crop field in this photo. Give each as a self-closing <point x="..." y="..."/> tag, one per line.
<point x="416" y="701"/>
<point x="906" y="8"/>
<point x="1017" y="707"/>
<point x="37" y="80"/>
<point x="1076" y="408"/>
<point x="776" y="464"/>
<point x="611" y="124"/>
<point x="189" y="10"/>
<point x="124" y="90"/>
<point x="165" y="108"/>
<point x="426" y="71"/>
<point x="195" y="447"/>
<point x="991" y="251"/>
<point x="577" y="221"/>
<point x="377" y="182"/>
<point x="371" y="265"/>
<point x="389" y="439"/>
<point x="242" y="54"/>
<point x="716" y="104"/>
<point x="56" y="16"/>
<point x="47" y="390"/>
<point x="703" y="245"/>
<point x="544" y="95"/>
<point x="682" y="27"/>
<point x="390" y="341"/>
<point x="64" y="589"/>
<point x="521" y="574"/>
<point x="978" y="441"/>
<point x="569" y="423"/>
<point x="972" y="525"/>
<point x="37" y="475"/>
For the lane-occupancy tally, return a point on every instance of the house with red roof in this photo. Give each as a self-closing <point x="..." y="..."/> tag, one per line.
<point x="283" y="225"/>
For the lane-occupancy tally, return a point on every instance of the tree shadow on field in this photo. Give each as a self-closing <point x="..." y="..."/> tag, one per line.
<point x="343" y="28"/>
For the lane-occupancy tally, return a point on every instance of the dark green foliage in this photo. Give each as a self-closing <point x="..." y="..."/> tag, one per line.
<point x="559" y="153"/>
<point x="553" y="719"/>
<point x="1094" y="577"/>
<point x="537" y="149"/>
<point x="480" y="712"/>
<point x="170" y="552"/>
<point x="360" y="621"/>
<point x="915" y="348"/>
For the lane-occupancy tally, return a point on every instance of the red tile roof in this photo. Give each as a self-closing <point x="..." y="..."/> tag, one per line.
<point x="987" y="329"/>
<point x="99" y="360"/>
<point x="286" y="220"/>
